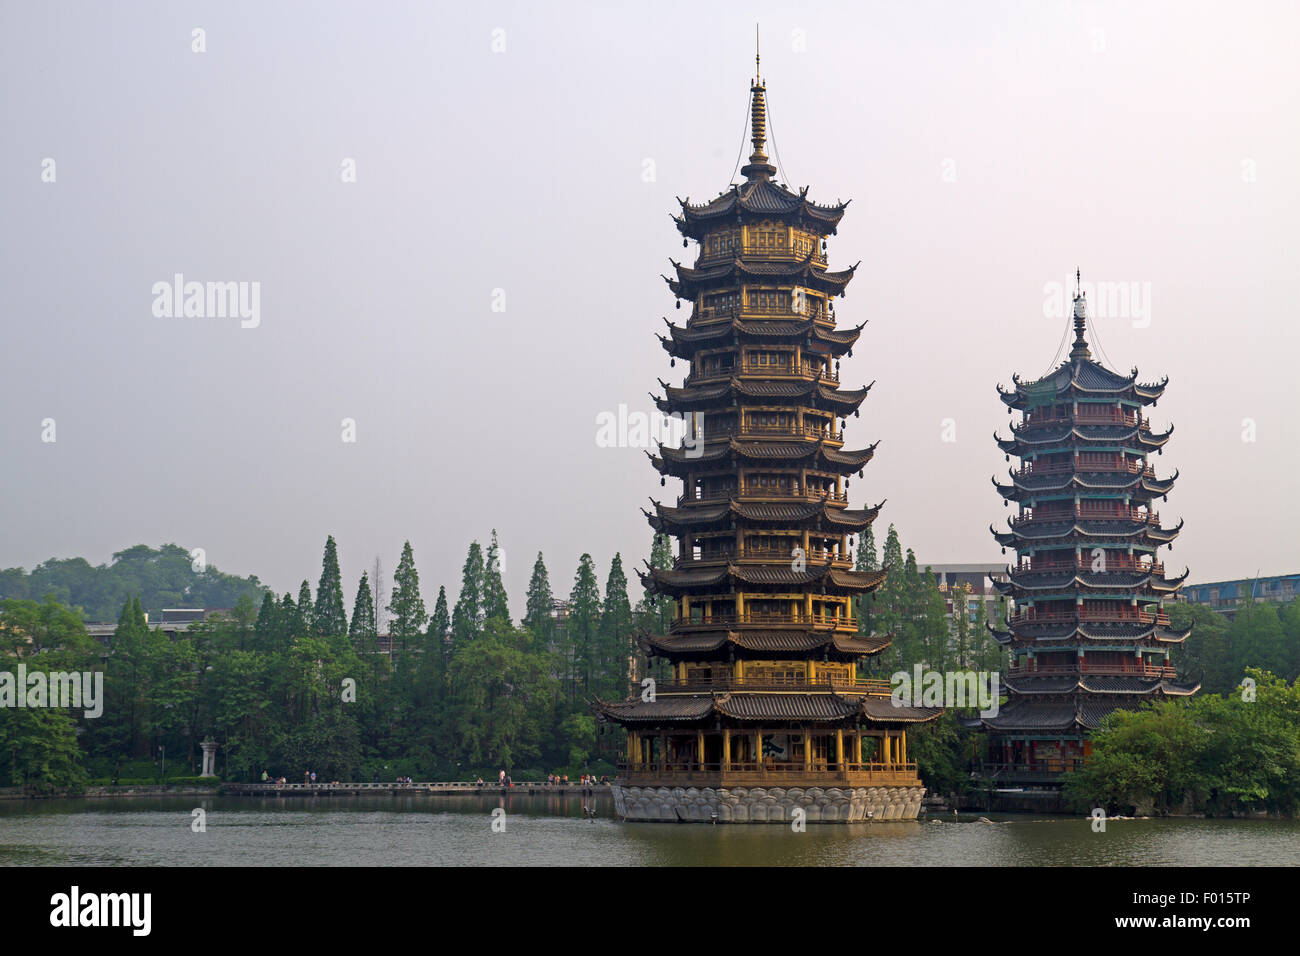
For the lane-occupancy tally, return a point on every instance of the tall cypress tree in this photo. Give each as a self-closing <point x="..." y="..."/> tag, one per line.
<point x="306" y="615"/>
<point x="866" y="560"/>
<point x="362" y="629"/>
<point x="289" y="621"/>
<point x="615" y="634"/>
<point x="467" y="617"/>
<point x="495" y="606"/>
<point x="889" y="607"/>
<point x="537" y="610"/>
<point x="583" y="626"/>
<point x="654" y="613"/>
<point x="267" y="626"/>
<point x="439" y="626"/>
<point x="406" y="605"/>
<point x="329" y="618"/>
<point x="961" y="619"/>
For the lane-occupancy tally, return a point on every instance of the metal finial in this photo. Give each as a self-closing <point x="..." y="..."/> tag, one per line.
<point x="758" y="73"/>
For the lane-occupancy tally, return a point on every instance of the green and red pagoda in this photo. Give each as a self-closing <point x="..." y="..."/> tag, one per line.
<point x="1088" y="633"/>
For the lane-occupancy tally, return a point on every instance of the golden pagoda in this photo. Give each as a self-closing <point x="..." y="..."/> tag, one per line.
<point x="766" y="717"/>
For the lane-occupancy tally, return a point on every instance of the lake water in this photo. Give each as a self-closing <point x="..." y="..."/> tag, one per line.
<point x="424" y="830"/>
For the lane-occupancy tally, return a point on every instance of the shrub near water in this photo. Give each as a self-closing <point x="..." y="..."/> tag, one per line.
<point x="1224" y="756"/>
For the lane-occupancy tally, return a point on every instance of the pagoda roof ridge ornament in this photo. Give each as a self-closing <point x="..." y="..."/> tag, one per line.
<point x="1080" y="351"/>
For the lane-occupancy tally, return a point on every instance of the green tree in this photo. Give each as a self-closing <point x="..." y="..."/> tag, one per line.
<point x="406" y="605"/>
<point x="467" y="616"/>
<point x="615" y="635"/>
<point x="538" y="617"/>
<point x="329" y="617"/>
<point x="654" y="612"/>
<point x="582" y="628"/>
<point x="494" y="589"/>
<point x="500" y="691"/>
<point x="362" y="629"/>
<point x="306" y="617"/>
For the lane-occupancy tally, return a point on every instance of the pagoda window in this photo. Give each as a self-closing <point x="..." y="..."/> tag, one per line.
<point x="722" y="242"/>
<point x="769" y="237"/>
<point x="769" y="301"/>
<point x="720" y="303"/>
<point x="1099" y="459"/>
<point x="776" y="672"/>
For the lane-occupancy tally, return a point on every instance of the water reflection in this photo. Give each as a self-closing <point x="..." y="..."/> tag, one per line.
<point x="553" y="829"/>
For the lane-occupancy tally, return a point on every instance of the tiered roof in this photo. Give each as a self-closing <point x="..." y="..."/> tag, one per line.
<point x="684" y="342"/>
<point x="1075" y="702"/>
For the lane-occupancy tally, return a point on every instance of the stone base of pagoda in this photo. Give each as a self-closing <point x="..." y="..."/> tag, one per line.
<point x="767" y="805"/>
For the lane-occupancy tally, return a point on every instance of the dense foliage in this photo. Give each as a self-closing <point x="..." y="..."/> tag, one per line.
<point x="167" y="577"/>
<point x="290" y="685"/>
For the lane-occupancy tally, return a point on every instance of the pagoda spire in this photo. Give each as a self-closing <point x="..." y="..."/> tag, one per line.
<point x="1080" y="350"/>
<point x="759" y="167"/>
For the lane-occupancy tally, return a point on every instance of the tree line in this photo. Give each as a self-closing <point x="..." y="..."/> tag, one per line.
<point x="298" y="684"/>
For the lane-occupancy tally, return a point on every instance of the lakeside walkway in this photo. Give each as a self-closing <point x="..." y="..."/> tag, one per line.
<point x="442" y="789"/>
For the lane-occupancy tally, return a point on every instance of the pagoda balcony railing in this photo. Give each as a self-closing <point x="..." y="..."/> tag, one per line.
<point x="1039" y="770"/>
<point x="709" y="374"/>
<point x="1083" y="418"/>
<point x="752" y="491"/>
<point x="769" y="491"/>
<point x="1120" y="670"/>
<point x="704" y="313"/>
<point x="1085" y="564"/>
<point x="1121" y="513"/>
<point x="784" y="555"/>
<point x="871" y="686"/>
<point x="772" y="431"/>
<point x="716" y="494"/>
<point x="762" y="617"/>
<point x="768" y="771"/>
<point x="752" y="251"/>
<point x="1122" y="615"/>
<point x="1065" y="468"/>
<point x="803" y="371"/>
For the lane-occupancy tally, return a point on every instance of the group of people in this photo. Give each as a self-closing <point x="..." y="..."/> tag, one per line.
<point x="503" y="779"/>
<point x="586" y="780"/>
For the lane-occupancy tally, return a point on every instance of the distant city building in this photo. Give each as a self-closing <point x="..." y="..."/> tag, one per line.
<point x="1224" y="596"/>
<point x="171" y="621"/>
<point x="977" y="580"/>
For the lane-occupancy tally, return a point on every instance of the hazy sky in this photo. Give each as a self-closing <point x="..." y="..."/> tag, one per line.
<point x="989" y="150"/>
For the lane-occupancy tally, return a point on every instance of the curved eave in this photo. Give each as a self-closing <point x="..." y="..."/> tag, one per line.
<point x="1137" y="531"/>
<point x="678" y="462"/>
<point x="690" y="283"/>
<point x="1030" y="581"/>
<point x="751" y="392"/>
<point x="825" y="578"/>
<point x="1141" y="487"/>
<point x="683" y="343"/>
<point x="1135" y="440"/>
<point x="818" y="516"/>
<point x="757" y="201"/>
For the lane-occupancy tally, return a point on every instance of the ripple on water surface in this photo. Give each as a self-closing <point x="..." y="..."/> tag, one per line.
<point x="424" y="830"/>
